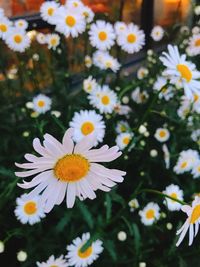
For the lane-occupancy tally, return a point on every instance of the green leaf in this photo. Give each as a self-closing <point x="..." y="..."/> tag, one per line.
<point x="109" y="245"/>
<point x="63" y="222"/>
<point x="87" y="216"/>
<point x="137" y="237"/>
<point x="108" y="207"/>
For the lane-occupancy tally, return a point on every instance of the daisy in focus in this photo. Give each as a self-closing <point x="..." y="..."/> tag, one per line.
<point x="53" y="40"/>
<point x="41" y="103"/>
<point x="17" y="40"/>
<point x="29" y="210"/>
<point x="162" y="135"/>
<point x="150" y="213"/>
<point x="123" y="140"/>
<point x="191" y="223"/>
<point x="102" y="35"/>
<point x="67" y="170"/>
<point x="175" y="192"/>
<point x="78" y="258"/>
<point x="48" y="11"/>
<point x="186" y="161"/>
<point x="157" y="33"/>
<point x="5" y="26"/>
<point x="178" y="69"/>
<point x="54" y="262"/>
<point x="86" y="122"/>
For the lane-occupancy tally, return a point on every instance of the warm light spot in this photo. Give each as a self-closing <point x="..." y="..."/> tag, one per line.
<point x="50" y="11"/>
<point x="3" y="28"/>
<point x="196" y="97"/>
<point x="70" y="21"/>
<point x="105" y="100"/>
<point x="197" y="42"/>
<point x="150" y="214"/>
<point x="86" y="253"/>
<point x="184" y="165"/>
<point x="53" y="41"/>
<point x="30" y="208"/>
<point x="18" y="38"/>
<point x="185" y="72"/>
<point x="126" y="140"/>
<point x="103" y="36"/>
<point x="41" y="103"/>
<point x="162" y="133"/>
<point x="71" y="168"/>
<point x="131" y="38"/>
<point x="87" y="128"/>
<point x="195" y="214"/>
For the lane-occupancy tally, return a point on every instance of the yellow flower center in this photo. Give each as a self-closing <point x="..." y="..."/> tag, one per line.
<point x="185" y="72"/>
<point x="164" y="90"/>
<point x="126" y="140"/>
<point x="53" y="41"/>
<point x="196" y="97"/>
<point x="150" y="214"/>
<point x="195" y="214"/>
<point x="174" y="195"/>
<point x="75" y="4"/>
<point x="18" y="38"/>
<point x="41" y="103"/>
<point x="85" y="254"/>
<point x="87" y="128"/>
<point x="103" y="36"/>
<point x="85" y="14"/>
<point x="21" y="24"/>
<point x="71" y="168"/>
<point x="105" y="100"/>
<point x="70" y="21"/>
<point x="30" y="208"/>
<point x="3" y="28"/>
<point x="162" y="133"/>
<point x="50" y="11"/>
<point x="131" y="38"/>
<point x="184" y="165"/>
<point x="108" y="64"/>
<point x="54" y="266"/>
<point x="197" y="42"/>
<point x="123" y="128"/>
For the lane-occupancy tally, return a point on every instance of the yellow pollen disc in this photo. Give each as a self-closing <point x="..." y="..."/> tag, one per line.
<point x="162" y="133"/>
<point x="41" y="103"/>
<point x="21" y="23"/>
<point x="3" y="28"/>
<point x="75" y="4"/>
<point x="195" y="214"/>
<point x="198" y="169"/>
<point x="85" y="254"/>
<point x="86" y="14"/>
<point x="185" y="72"/>
<point x="54" y="266"/>
<point x="184" y="165"/>
<point x="53" y="41"/>
<point x="123" y="128"/>
<point x="131" y="38"/>
<point x="174" y="195"/>
<point x="197" y="42"/>
<point x="164" y="89"/>
<point x="126" y="140"/>
<point x="71" y="168"/>
<point x="30" y="208"/>
<point x="196" y="97"/>
<point x="103" y="36"/>
<point x="105" y="100"/>
<point x="50" y="11"/>
<point x="150" y="214"/>
<point x="18" y="39"/>
<point x="87" y="128"/>
<point x="70" y="21"/>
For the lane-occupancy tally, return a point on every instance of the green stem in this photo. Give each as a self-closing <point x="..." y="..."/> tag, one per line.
<point x="125" y="90"/>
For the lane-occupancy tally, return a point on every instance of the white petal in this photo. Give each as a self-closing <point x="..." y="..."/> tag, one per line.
<point x="67" y="141"/>
<point x="71" y="195"/>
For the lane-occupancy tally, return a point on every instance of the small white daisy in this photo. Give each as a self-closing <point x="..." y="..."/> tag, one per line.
<point x="157" y="33"/>
<point x="41" y="103"/>
<point x="175" y="192"/>
<point x="122" y="126"/>
<point x="41" y="38"/>
<point x="17" y="40"/>
<point x="88" y="61"/>
<point x="166" y="156"/>
<point x="54" y="262"/>
<point x="194" y="45"/>
<point x="90" y="85"/>
<point x="5" y="26"/>
<point x="102" y="35"/>
<point x="186" y="161"/>
<point x="120" y="27"/>
<point x="53" y="40"/>
<point x="133" y="204"/>
<point x="139" y="96"/>
<point x="21" y="24"/>
<point x="184" y="108"/>
<point x="150" y="213"/>
<point x="48" y="11"/>
<point x="191" y="223"/>
<point x="132" y="39"/>
<point x="123" y="140"/>
<point x="78" y="258"/>
<point x="196" y="135"/>
<point x="75" y="5"/>
<point x="88" y="14"/>
<point x="142" y="73"/>
<point x="167" y="91"/>
<point x="29" y="210"/>
<point x="162" y="134"/>
<point x="196" y="103"/>
<point x="104" y="61"/>
<point x="86" y="122"/>
<point x="196" y="169"/>
<point x="122" y="109"/>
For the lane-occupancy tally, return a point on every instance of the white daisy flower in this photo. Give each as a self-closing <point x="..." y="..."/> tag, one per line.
<point x="64" y="169"/>
<point x="196" y="103"/>
<point x="54" y="262"/>
<point x="104" y="61"/>
<point x="191" y="223"/>
<point x="122" y="126"/>
<point x="133" y="204"/>
<point x="102" y="35"/>
<point x="132" y="39"/>
<point x="103" y="99"/>
<point x="88" y="14"/>
<point x="142" y="73"/>
<point x="122" y="109"/>
<point x="175" y="192"/>
<point x="75" y="5"/>
<point x="139" y="96"/>
<point x="150" y="213"/>
<point x="120" y="27"/>
<point x="123" y="140"/>
<point x="90" y="85"/>
<point x="194" y="45"/>
<point x="17" y="40"/>
<point x="184" y="108"/>
<point x="88" y="61"/>
<point x="48" y="11"/>
<point x="41" y="38"/>
<point x="53" y="40"/>
<point x="167" y="91"/>
<point x="157" y="33"/>
<point x="41" y="103"/>
<point x="166" y="156"/>
<point x="21" y="24"/>
<point x="186" y="161"/>
<point x="162" y="134"/>
<point x="5" y="26"/>
<point x="86" y="122"/>
<point x="196" y="169"/>
<point x="196" y="135"/>
<point x="29" y="210"/>
<point x="70" y="23"/>
<point x="178" y="69"/>
<point x="78" y="258"/>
